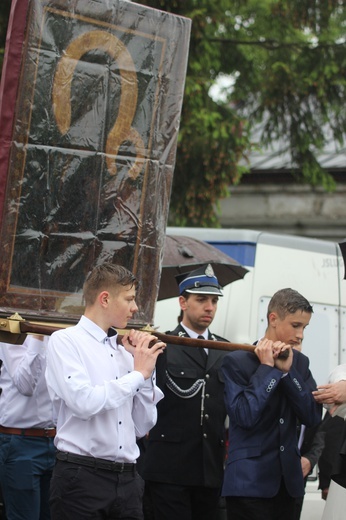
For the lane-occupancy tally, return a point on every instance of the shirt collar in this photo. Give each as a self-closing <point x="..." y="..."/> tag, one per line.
<point x="93" y="329"/>
<point x="194" y="334"/>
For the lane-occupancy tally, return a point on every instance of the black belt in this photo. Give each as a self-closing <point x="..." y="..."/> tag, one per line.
<point x="93" y="462"/>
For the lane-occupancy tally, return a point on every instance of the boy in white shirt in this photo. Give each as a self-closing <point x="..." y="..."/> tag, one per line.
<point x="105" y="398"/>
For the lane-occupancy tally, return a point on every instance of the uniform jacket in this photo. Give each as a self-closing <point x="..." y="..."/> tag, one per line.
<point x="329" y="459"/>
<point x="263" y="409"/>
<point x="187" y="445"/>
<point x="339" y="473"/>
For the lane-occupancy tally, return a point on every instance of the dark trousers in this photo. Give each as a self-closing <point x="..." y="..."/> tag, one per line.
<point x="298" y="508"/>
<point x="280" y="507"/>
<point x="26" y="465"/>
<point x="83" y="493"/>
<point x="174" y="502"/>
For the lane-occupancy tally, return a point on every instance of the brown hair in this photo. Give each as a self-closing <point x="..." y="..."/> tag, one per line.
<point x="106" y="277"/>
<point x="288" y="301"/>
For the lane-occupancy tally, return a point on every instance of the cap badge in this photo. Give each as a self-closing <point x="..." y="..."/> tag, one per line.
<point x="209" y="271"/>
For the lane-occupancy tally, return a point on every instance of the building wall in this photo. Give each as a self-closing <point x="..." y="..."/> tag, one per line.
<point x="286" y="207"/>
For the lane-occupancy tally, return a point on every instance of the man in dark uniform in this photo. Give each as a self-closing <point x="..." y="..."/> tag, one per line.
<point x="183" y="463"/>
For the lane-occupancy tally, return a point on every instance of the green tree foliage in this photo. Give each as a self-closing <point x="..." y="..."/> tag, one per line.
<point x="287" y="59"/>
<point x="296" y="82"/>
<point x="213" y="137"/>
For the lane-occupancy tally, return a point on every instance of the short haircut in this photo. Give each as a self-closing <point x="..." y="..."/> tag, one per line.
<point x="106" y="277"/>
<point x="185" y="295"/>
<point x="288" y="301"/>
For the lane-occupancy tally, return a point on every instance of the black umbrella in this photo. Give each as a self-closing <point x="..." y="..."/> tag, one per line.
<point x="184" y="254"/>
<point x="342" y="246"/>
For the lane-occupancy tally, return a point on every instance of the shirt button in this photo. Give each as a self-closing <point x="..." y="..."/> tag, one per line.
<point x="282" y="448"/>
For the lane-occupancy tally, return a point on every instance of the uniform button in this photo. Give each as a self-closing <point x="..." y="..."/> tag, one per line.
<point x="206" y="416"/>
<point x="205" y="435"/>
<point x="182" y="373"/>
<point x="207" y="396"/>
<point x="207" y="376"/>
<point x="282" y="420"/>
<point x="282" y="448"/>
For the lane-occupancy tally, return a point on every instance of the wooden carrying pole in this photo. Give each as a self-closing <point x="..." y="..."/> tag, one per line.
<point x="199" y="343"/>
<point x="27" y="327"/>
<point x="21" y="328"/>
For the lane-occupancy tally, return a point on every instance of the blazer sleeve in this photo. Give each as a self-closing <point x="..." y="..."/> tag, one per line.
<point x="249" y="386"/>
<point x="298" y="387"/>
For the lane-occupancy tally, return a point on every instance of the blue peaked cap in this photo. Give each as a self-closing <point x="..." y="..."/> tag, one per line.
<point x="200" y="281"/>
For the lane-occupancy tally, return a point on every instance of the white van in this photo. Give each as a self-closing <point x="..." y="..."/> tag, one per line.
<point x="313" y="267"/>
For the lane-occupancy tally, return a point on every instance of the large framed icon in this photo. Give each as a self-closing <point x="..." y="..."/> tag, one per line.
<point x="90" y="106"/>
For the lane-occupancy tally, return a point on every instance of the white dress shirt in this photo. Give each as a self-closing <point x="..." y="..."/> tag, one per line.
<point x="24" y="401"/>
<point x="102" y="403"/>
<point x="195" y="335"/>
<point x="338" y="374"/>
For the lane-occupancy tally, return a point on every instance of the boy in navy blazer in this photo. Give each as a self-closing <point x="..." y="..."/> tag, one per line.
<point x="266" y="393"/>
